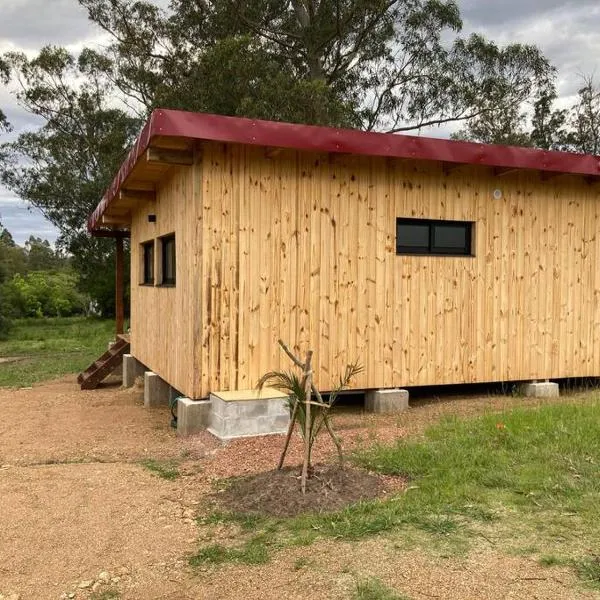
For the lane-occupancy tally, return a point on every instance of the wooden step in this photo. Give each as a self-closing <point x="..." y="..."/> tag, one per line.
<point x="103" y="366"/>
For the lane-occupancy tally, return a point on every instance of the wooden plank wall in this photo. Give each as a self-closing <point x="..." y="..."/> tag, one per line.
<point x="164" y="319"/>
<point x="302" y="246"/>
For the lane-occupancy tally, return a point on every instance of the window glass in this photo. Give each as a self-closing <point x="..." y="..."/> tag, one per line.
<point x="426" y="236"/>
<point x="450" y="236"/>
<point x="168" y="260"/>
<point x="413" y="234"/>
<point x="148" y="263"/>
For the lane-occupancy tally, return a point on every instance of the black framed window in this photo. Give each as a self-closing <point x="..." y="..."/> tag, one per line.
<point x="427" y="236"/>
<point x="148" y="263"/>
<point x="168" y="259"/>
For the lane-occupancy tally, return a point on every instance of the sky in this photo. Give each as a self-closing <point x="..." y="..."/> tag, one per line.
<point x="565" y="31"/>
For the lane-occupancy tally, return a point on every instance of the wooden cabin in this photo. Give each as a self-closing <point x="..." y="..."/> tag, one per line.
<point x="429" y="261"/>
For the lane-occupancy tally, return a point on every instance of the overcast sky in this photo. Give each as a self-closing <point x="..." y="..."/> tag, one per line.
<point x="566" y="31"/>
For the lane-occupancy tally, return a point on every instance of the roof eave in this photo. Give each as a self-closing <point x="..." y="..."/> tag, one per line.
<point x="201" y="126"/>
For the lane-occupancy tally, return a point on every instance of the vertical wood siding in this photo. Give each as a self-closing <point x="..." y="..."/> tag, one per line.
<point x="164" y="319"/>
<point x="303" y="247"/>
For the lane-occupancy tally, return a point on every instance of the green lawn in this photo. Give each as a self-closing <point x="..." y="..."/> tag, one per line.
<point x="526" y="481"/>
<point x="51" y="348"/>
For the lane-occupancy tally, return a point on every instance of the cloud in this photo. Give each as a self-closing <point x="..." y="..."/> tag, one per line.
<point x="23" y="220"/>
<point x="31" y="24"/>
<point x="566" y="32"/>
<point x="486" y="13"/>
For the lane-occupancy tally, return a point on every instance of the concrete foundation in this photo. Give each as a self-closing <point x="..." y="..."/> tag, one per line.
<point x="192" y="416"/>
<point x="387" y="401"/>
<point x="545" y="389"/>
<point x="132" y="369"/>
<point x="248" y="413"/>
<point x="157" y="392"/>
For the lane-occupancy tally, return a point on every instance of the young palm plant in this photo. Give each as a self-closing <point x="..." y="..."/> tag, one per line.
<point x="311" y="415"/>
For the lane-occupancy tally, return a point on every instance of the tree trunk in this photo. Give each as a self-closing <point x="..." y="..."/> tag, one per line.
<point x="307" y="427"/>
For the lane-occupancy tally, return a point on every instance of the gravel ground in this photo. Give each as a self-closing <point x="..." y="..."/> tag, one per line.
<point x="80" y="516"/>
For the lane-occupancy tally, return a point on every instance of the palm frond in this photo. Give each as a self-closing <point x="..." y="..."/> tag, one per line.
<point x="294" y="387"/>
<point x="352" y="370"/>
<point x="287" y="382"/>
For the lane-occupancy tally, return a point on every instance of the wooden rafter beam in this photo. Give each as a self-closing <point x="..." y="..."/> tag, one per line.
<point x="140" y="186"/>
<point x="548" y="175"/>
<point x="111" y="233"/>
<point x="136" y="196"/>
<point x="161" y="156"/>
<point x="172" y="143"/>
<point x="591" y="179"/>
<point x="502" y="171"/>
<point x="116" y="220"/>
<point x="448" y="168"/>
<point x="272" y="152"/>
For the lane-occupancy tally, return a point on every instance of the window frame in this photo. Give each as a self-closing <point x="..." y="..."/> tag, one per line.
<point x="144" y="279"/>
<point x="164" y="241"/>
<point x="432" y="248"/>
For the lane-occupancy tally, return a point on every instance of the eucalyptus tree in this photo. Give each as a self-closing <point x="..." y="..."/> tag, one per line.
<point x="64" y="166"/>
<point x="383" y="65"/>
<point x="386" y="65"/>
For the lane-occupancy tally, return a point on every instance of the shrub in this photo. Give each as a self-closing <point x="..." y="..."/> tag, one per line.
<point x="4" y="320"/>
<point x="44" y="294"/>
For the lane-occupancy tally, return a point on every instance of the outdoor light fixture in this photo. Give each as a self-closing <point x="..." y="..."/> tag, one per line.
<point x="151" y="218"/>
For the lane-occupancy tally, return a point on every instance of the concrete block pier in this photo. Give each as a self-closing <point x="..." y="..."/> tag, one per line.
<point x="193" y="416"/>
<point x="157" y="392"/>
<point x="540" y="389"/>
<point x="248" y="413"/>
<point x="386" y="401"/>
<point x="132" y="369"/>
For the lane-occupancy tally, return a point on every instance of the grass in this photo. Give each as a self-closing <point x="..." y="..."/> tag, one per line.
<point x="530" y="461"/>
<point x="375" y="589"/>
<point x="51" y="348"/>
<point x="252" y="552"/>
<point x="588" y="570"/>
<point x="167" y="470"/>
<point x="522" y="478"/>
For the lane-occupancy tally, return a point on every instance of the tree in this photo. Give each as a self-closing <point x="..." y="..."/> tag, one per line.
<point x="4" y="124"/>
<point x="41" y="256"/>
<point x="392" y="65"/>
<point x="307" y="408"/>
<point x="64" y="167"/>
<point x="547" y="124"/>
<point x="4" y="75"/>
<point x="574" y="129"/>
<point x="507" y="127"/>
<point x="4" y="321"/>
<point x="12" y="258"/>
<point x="584" y="120"/>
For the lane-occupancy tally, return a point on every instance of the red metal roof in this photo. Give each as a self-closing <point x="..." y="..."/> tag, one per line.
<point x="203" y="126"/>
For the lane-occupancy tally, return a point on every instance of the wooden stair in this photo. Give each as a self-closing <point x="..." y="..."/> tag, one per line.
<point x="104" y="366"/>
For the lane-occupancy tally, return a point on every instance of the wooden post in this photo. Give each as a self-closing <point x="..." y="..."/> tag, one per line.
<point x="119" y="308"/>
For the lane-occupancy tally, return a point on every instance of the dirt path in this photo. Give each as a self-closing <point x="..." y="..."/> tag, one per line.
<point x="77" y="507"/>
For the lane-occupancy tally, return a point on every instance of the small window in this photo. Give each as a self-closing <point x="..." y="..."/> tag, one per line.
<point x="168" y="259"/>
<point x="424" y="236"/>
<point x="148" y="263"/>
